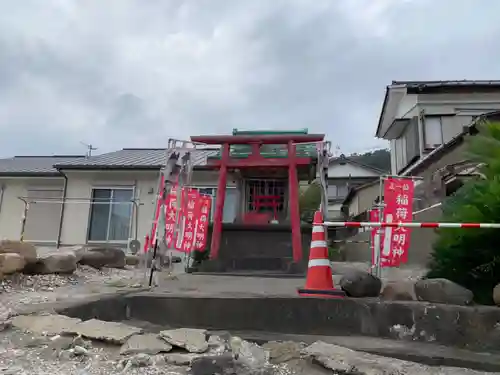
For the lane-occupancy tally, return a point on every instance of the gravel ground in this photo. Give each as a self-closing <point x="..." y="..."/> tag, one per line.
<point x="22" y="353"/>
<point x="18" y="290"/>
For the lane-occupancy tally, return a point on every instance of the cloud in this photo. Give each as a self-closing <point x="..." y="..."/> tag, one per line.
<point x="132" y="73"/>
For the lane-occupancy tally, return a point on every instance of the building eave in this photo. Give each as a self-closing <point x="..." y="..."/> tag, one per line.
<point x="389" y="106"/>
<point x="30" y="174"/>
<point x="107" y="167"/>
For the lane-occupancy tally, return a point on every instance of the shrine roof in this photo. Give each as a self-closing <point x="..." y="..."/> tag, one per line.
<point x="273" y="142"/>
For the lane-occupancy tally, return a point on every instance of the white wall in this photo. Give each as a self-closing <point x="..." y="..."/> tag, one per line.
<point x="77" y="207"/>
<point x="407" y="106"/>
<point x="80" y="184"/>
<point x="11" y="209"/>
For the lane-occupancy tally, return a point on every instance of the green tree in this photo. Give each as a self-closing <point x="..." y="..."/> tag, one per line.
<point x="471" y="257"/>
<point x="309" y="201"/>
<point x="380" y="159"/>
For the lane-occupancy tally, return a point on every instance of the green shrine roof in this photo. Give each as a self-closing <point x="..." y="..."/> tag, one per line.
<point x="270" y="151"/>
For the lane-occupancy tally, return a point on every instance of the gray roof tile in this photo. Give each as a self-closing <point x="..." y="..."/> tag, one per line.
<point x="132" y="158"/>
<point x="453" y="83"/>
<point x="33" y="165"/>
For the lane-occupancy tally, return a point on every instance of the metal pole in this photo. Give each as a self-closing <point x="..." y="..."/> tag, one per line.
<point x="23" y="219"/>
<point x="377" y="246"/>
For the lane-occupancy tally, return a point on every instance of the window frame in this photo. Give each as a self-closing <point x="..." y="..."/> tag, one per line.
<point x="427" y="146"/>
<point x="131" y="188"/>
<point x="214" y="196"/>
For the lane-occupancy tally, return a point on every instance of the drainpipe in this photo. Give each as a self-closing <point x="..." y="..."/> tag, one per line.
<point x="63" y="206"/>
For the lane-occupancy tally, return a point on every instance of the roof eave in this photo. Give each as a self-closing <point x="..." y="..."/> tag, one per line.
<point x="107" y="167"/>
<point x="30" y="174"/>
<point x="385" y="105"/>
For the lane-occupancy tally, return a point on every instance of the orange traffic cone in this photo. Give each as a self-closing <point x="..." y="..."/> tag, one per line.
<point x="319" y="282"/>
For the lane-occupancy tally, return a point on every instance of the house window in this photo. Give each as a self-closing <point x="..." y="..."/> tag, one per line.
<point x="433" y="132"/>
<point x="111" y="214"/>
<point x="230" y="202"/>
<point x="400" y="153"/>
<point x="337" y="191"/>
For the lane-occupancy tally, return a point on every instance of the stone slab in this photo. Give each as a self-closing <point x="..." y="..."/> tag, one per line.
<point x="45" y="324"/>
<point x="343" y="360"/>
<point x="193" y="340"/>
<point x="148" y="343"/>
<point x="112" y="332"/>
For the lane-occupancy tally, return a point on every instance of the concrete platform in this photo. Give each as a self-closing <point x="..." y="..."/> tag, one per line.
<point x="473" y="328"/>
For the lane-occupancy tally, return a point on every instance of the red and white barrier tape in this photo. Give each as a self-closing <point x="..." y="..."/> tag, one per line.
<point x="350" y="241"/>
<point x="357" y="224"/>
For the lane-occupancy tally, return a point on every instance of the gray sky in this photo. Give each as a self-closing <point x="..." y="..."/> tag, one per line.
<point x="125" y="73"/>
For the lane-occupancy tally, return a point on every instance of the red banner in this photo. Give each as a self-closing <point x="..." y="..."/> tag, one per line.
<point x="398" y="198"/>
<point x="203" y="216"/>
<point x="170" y="219"/>
<point x="191" y="201"/>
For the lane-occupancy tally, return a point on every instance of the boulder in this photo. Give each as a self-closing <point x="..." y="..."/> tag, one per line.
<point x="63" y="262"/>
<point x="496" y="295"/>
<point x="209" y="365"/>
<point x="399" y="291"/>
<point x="78" y="251"/>
<point x="99" y="257"/>
<point x="132" y="260"/>
<point x="360" y="284"/>
<point x="26" y="250"/>
<point x="442" y="291"/>
<point x="11" y="263"/>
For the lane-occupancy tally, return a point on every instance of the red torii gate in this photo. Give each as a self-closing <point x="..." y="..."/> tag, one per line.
<point x="257" y="160"/>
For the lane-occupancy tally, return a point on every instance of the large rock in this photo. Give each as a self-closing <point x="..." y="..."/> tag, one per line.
<point x="56" y="262"/>
<point x="11" y="263"/>
<point x="209" y="365"/>
<point x="191" y="339"/>
<point x="99" y="257"/>
<point x="399" y="291"/>
<point x="132" y="260"/>
<point x="443" y="291"/>
<point x="496" y="295"/>
<point x="26" y="250"/>
<point x="360" y="284"/>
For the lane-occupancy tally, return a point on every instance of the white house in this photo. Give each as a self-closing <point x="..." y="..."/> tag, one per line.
<point x="108" y="198"/>
<point x="420" y="116"/>
<point x="344" y="174"/>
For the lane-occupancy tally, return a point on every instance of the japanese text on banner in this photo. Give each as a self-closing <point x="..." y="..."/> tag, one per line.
<point x="202" y="222"/>
<point x="171" y="203"/>
<point x="190" y="213"/>
<point x="398" y="197"/>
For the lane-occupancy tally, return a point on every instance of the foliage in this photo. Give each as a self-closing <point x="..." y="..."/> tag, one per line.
<point x="470" y="257"/>
<point x="380" y="159"/>
<point x="309" y="201"/>
<point x="333" y="253"/>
